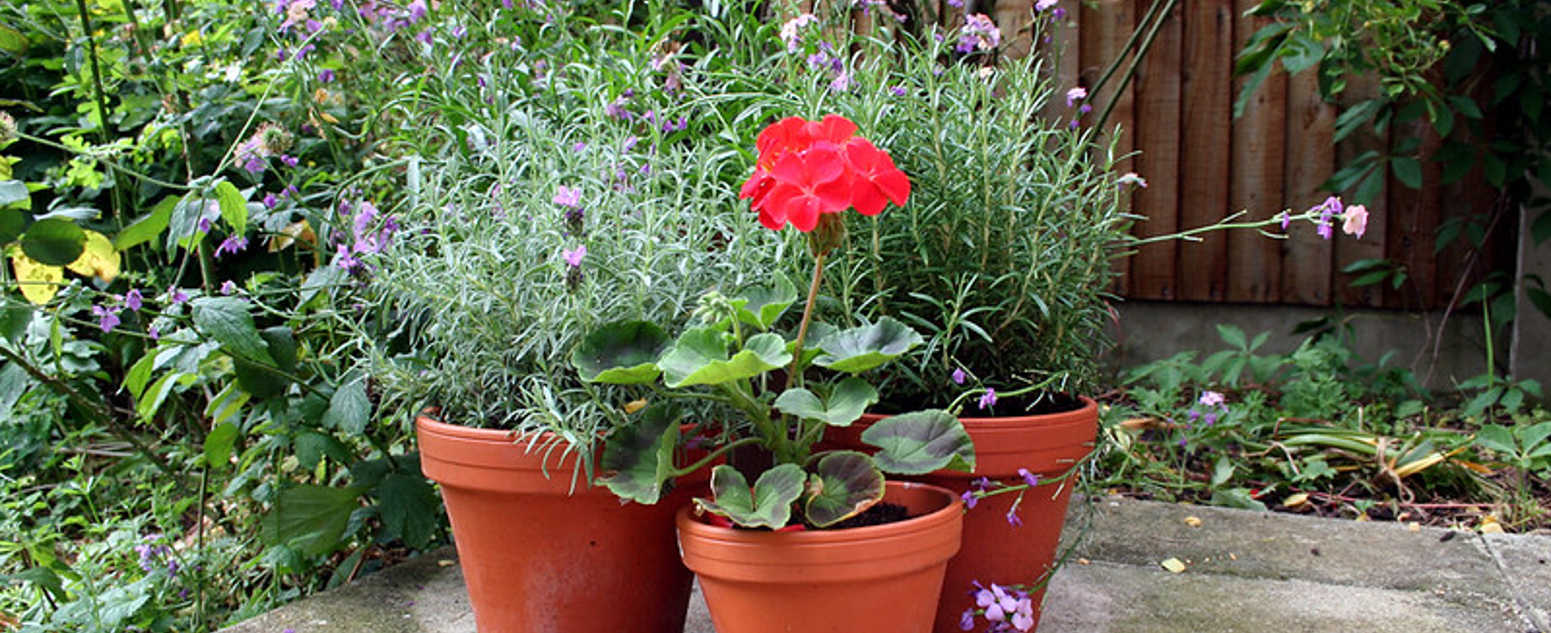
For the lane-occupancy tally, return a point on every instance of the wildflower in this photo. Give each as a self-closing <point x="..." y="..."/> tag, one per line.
<point x="988" y="400"/>
<point x="568" y="197"/>
<point x="1074" y="124"/>
<point x="1023" y="617"/>
<point x="969" y="498"/>
<point x="1355" y="220"/>
<point x="898" y="91"/>
<point x="107" y="318"/>
<point x="1211" y="399"/>
<point x="1076" y="94"/>
<point x="228" y="288"/>
<point x="1028" y="478"/>
<point x="957" y="4"/>
<point x="578" y="147"/>
<point x="841" y="83"/>
<point x="1084" y="108"/>
<point x="290" y="161"/>
<point x="271" y="201"/>
<point x="133" y="300"/>
<point x="1131" y="178"/>
<point x="616" y="108"/>
<point x="967" y="619"/>
<point x="326" y="75"/>
<point x="177" y="296"/>
<point x="424" y="37"/>
<point x="573" y="257"/>
<point x="7" y="128"/>
<point x="987" y="36"/>
<point x="958" y="376"/>
<point x="1013" y="519"/>
<point x="155" y="333"/>
<point x="1286" y="220"/>
<point x="302" y="52"/>
<point x="982" y="483"/>
<point x="459" y="31"/>
<point x="1210" y="418"/>
<point x="1328" y="209"/>
<point x="790" y="31"/>
<point x="1042" y="5"/>
<point x="1058" y="14"/>
<point x="231" y="244"/>
<point x="345" y="259"/>
<point x="417" y="10"/>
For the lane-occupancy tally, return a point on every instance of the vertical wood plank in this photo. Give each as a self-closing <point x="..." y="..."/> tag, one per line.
<point x="1349" y="249"/>
<point x="1306" y="257"/>
<point x="1107" y="25"/>
<point x="1412" y="225"/>
<point x="1015" y="18"/>
<point x="1157" y="94"/>
<point x="1065" y="48"/>
<point x="1206" y="139"/>
<point x="1256" y="186"/>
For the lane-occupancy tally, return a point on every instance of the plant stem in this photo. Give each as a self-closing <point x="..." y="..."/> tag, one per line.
<point x="714" y="454"/>
<point x="807" y="315"/>
<point x="1136" y="59"/>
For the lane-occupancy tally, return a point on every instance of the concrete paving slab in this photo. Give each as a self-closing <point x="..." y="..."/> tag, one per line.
<point x="1247" y="571"/>
<point x="1526" y="562"/>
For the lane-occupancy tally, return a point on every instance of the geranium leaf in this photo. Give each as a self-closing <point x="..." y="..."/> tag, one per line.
<point x="768" y="504"/>
<point x="699" y="357"/>
<point x="862" y="348"/>
<point x="846" y="484"/>
<point x="638" y="459"/>
<point x="760" y="306"/>
<point x="847" y="403"/>
<point x="621" y="353"/>
<point x="920" y="442"/>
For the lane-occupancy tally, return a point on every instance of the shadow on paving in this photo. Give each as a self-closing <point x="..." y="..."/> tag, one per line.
<point x="1244" y="571"/>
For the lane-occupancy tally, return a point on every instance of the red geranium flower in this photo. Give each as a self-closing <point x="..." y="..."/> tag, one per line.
<point x="807" y="168"/>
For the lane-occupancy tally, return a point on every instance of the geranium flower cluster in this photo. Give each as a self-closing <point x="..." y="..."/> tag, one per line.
<point x="1005" y="608"/>
<point x="810" y="168"/>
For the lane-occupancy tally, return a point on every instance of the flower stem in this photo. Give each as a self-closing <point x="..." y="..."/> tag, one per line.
<point x="792" y="376"/>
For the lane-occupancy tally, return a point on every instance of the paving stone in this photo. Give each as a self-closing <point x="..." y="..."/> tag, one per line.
<point x="1526" y="561"/>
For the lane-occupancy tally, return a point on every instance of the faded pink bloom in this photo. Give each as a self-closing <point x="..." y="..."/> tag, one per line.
<point x="1076" y="94"/>
<point x="1212" y="399"/>
<point x="1355" y="220"/>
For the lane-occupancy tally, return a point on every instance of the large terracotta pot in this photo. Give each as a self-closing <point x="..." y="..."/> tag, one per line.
<point x="875" y="579"/>
<point x="540" y="558"/>
<point x="995" y="550"/>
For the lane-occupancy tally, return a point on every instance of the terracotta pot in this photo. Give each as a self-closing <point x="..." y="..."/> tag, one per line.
<point x="875" y="579"/>
<point x="540" y="558"/>
<point x="994" y="550"/>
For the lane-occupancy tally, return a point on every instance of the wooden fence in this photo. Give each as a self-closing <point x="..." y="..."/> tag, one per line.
<point x="1202" y="164"/>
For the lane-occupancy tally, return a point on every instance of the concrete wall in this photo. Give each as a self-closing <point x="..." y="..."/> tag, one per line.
<point x="1532" y="332"/>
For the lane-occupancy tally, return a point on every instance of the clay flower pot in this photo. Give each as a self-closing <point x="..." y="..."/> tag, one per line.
<point x="540" y="558"/>
<point x="876" y="579"/>
<point x="995" y="550"/>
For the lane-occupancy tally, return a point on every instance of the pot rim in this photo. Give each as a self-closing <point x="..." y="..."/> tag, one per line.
<point x="953" y="509"/>
<point x="1075" y="416"/>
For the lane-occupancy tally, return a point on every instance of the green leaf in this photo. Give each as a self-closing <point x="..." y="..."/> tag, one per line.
<point x="310" y="519"/>
<point x="862" y="348"/>
<point x="257" y="379"/>
<point x="311" y="447"/>
<point x="349" y="408"/>
<point x="638" y="459"/>
<point x="1222" y="471"/>
<point x="621" y="353"/>
<point x="318" y="281"/>
<point x="768" y="504"/>
<point x="42" y="578"/>
<point x="12" y="224"/>
<point x="226" y="320"/>
<point x="54" y="242"/>
<point x="1301" y="52"/>
<point x="761" y="306"/>
<point x="218" y="445"/>
<point x="282" y="346"/>
<point x="920" y="442"/>
<point x="234" y="208"/>
<point x="12" y="41"/>
<point x="1369" y="189"/>
<point x="408" y="508"/>
<point x="1237" y="498"/>
<point x="699" y="357"/>
<point x="845" y="484"/>
<point x="146" y="227"/>
<point x="14" y="192"/>
<point x="1232" y="335"/>
<point x="846" y="404"/>
<point x="1497" y="438"/>
<point x="1408" y="171"/>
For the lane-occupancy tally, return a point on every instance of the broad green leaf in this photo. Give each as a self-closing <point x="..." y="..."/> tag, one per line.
<point x="1531" y="436"/>
<point x="699" y="357"/>
<point x="234" y="208"/>
<point x="225" y="404"/>
<point x="408" y="508"/>
<point x="226" y="320"/>
<point x="54" y="242"/>
<point x="621" y="353"/>
<point x="638" y="459"/>
<point x="12" y="41"/>
<point x="761" y="306"/>
<point x="258" y="379"/>
<point x="862" y="348"/>
<point x="768" y="504"/>
<point x="12" y="224"/>
<point x="349" y="408"/>
<point x="14" y="192"/>
<point x="844" y="485"/>
<point x="40" y="577"/>
<point x="846" y="404"/>
<point x="218" y="445"/>
<point x="310" y="519"/>
<point x="1222" y="471"/>
<point x="1232" y="335"/>
<point x="146" y="227"/>
<point x="1408" y="170"/>
<point x="311" y="447"/>
<point x="98" y="258"/>
<point x="817" y="331"/>
<point x="282" y="346"/>
<point x="1237" y="498"/>
<point x="1496" y="438"/>
<point x="920" y="442"/>
<point x="157" y="393"/>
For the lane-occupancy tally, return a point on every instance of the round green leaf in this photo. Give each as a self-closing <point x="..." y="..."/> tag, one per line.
<point x="768" y="504"/>
<point x="846" y="403"/>
<point x="846" y="484"/>
<point x="760" y="306"/>
<point x="54" y="242"/>
<point x="638" y="459"/>
<point x="621" y="353"/>
<point x="862" y="348"/>
<point x="920" y="442"/>
<point x="12" y="223"/>
<point x="699" y="357"/>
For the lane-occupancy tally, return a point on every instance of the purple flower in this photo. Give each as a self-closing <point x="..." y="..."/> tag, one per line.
<point x="1286" y="220"/>
<point x="1042" y="5"/>
<point x="326" y="75"/>
<point x="1028" y="478"/>
<point x="898" y="91"/>
<point x="967" y="619"/>
<point x="290" y="161"/>
<point x="203" y="225"/>
<point x="988" y="400"/>
<point x="578" y="147"/>
<point x="957" y="4"/>
<point x="343" y="258"/>
<point x="254" y="164"/>
<point x="155" y="333"/>
<point x="1084" y="108"/>
<point x="616" y="108"/>
<point x="134" y="300"/>
<point x="424" y="36"/>
<point x="1076" y="94"/>
<point x="1210" y="418"/>
<point x="417" y="10"/>
<point x="1059" y="13"/>
<point x="1212" y="399"/>
<point x="1012" y="517"/>
<point x="459" y="31"/>
<point x="1074" y="124"/>
<point x="107" y="319"/>
<point x="981" y="483"/>
<point x="1325" y="230"/>
<point x="573" y="258"/>
<point x="271" y="201"/>
<point x="958" y="376"/>
<point x="969" y="498"/>
<point x="228" y="288"/>
<point x="568" y="197"/>
<point x="232" y="245"/>
<point x="302" y="52"/>
<point x="177" y="296"/>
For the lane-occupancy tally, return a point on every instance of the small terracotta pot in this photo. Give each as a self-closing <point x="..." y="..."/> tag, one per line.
<point x="994" y="550"/>
<point x="540" y="558"/>
<point x="876" y="579"/>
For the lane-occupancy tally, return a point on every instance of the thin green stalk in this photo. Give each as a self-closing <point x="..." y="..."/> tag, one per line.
<point x="1136" y="59"/>
<point x="714" y="455"/>
<point x="1152" y="12"/>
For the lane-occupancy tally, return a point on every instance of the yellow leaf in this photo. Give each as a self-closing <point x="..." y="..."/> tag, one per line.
<point x="1489" y="525"/>
<point x="1293" y="501"/>
<point x="1194" y="522"/>
<point x="1173" y="565"/>
<point x="635" y="405"/>
<point x="192" y="38"/>
<point x="99" y="259"/>
<point x="39" y="282"/>
<point x="299" y="230"/>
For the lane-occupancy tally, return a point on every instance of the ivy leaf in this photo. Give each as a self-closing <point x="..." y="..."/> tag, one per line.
<point x="621" y="353"/>
<point x="862" y="348"/>
<point x="638" y="459"/>
<point x="845" y="484"/>
<point x="768" y="504"/>
<point x="846" y="404"/>
<point x="920" y="442"/>
<point x="226" y="320"/>
<point x="699" y="357"/>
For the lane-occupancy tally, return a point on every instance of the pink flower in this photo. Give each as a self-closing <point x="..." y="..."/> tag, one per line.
<point x="568" y="197"/>
<point x="1131" y="178"/>
<point x="107" y="318"/>
<point x="1044" y="4"/>
<point x="958" y="376"/>
<point x="1076" y="94"/>
<point x="988" y="399"/>
<point x="1212" y="399"/>
<point x="1355" y="220"/>
<point x="573" y="258"/>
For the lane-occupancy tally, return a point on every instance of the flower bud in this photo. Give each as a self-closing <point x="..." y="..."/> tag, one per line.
<point x="7" y="128"/>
